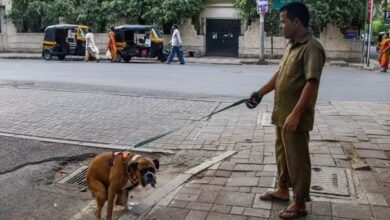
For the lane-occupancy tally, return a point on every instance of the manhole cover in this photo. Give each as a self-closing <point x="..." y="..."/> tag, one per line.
<point x="332" y="181"/>
<point x="76" y="178"/>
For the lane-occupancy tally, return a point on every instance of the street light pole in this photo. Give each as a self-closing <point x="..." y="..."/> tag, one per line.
<point x="369" y="31"/>
<point x="261" y="58"/>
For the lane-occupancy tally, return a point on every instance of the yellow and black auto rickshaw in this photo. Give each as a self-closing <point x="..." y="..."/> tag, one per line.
<point x="139" y="41"/>
<point x="64" y="39"/>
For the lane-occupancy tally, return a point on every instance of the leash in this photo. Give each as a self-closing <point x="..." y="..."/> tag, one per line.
<point x="173" y="130"/>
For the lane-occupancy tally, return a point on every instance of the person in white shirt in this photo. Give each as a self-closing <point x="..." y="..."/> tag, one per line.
<point x="176" y="44"/>
<point x="91" y="50"/>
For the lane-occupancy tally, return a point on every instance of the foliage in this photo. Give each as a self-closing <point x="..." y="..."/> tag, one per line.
<point x="378" y="24"/>
<point x="343" y="13"/>
<point x="35" y="15"/>
<point x="247" y="10"/>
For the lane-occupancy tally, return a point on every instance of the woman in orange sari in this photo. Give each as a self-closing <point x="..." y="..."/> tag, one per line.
<point x="111" y="44"/>
<point x="384" y="52"/>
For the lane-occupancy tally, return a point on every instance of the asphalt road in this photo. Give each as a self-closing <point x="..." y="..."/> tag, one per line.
<point x="338" y="84"/>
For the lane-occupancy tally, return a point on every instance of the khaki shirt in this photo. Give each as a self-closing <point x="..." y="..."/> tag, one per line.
<point x="301" y="61"/>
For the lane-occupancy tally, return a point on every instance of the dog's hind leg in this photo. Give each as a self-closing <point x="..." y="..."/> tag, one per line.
<point x="99" y="191"/>
<point x="110" y="202"/>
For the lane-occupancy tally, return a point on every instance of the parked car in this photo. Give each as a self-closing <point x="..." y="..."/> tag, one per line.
<point x="64" y="39"/>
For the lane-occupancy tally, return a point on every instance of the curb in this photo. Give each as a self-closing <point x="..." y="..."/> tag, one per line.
<point x="236" y="61"/>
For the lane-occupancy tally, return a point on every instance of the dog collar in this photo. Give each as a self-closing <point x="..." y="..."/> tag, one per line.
<point x="135" y="157"/>
<point x="132" y="177"/>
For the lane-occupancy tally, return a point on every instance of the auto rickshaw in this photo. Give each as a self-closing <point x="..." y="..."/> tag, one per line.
<point x="139" y="41"/>
<point x="64" y="39"/>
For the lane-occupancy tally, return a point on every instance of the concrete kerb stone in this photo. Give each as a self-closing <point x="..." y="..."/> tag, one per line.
<point x="204" y="60"/>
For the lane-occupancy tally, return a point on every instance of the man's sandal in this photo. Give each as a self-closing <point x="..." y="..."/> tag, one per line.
<point x="292" y="213"/>
<point x="269" y="196"/>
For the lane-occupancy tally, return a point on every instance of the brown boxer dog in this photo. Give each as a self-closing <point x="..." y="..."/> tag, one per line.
<point x="115" y="174"/>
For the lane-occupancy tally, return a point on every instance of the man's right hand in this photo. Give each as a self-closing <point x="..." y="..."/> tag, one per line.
<point x="254" y="99"/>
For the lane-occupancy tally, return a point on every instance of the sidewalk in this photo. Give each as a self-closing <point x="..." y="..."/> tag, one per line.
<point x="205" y="60"/>
<point x="349" y="151"/>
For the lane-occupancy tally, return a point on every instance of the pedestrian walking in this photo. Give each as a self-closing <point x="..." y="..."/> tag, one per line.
<point x="384" y="52"/>
<point x="296" y="86"/>
<point x="111" y="47"/>
<point x="176" y="45"/>
<point x="91" y="50"/>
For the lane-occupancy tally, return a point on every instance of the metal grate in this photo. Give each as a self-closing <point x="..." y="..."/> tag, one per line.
<point x="328" y="180"/>
<point x="76" y="179"/>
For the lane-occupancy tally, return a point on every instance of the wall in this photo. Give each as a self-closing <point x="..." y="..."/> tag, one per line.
<point x="249" y="43"/>
<point x="32" y="42"/>
<point x="336" y="47"/>
<point x="26" y="42"/>
<point x="191" y="41"/>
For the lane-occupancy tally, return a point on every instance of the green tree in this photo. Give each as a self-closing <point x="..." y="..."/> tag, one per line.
<point x="378" y="23"/>
<point x="343" y="13"/>
<point x="35" y="15"/>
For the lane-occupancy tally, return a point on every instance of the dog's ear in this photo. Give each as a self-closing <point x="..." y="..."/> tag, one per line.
<point x="156" y="163"/>
<point x="133" y="165"/>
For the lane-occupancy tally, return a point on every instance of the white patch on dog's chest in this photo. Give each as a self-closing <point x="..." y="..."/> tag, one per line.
<point x="128" y="184"/>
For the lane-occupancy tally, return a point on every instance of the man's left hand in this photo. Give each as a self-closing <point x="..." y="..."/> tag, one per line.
<point x="291" y="123"/>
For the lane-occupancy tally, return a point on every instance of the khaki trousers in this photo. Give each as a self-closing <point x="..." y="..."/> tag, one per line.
<point x="293" y="162"/>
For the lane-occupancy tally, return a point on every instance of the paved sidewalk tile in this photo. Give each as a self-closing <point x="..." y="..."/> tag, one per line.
<point x="378" y="154"/>
<point x="196" y="215"/>
<point x="321" y="208"/>
<point x="235" y="199"/>
<point x="199" y="206"/>
<point x="220" y="216"/>
<point x="257" y="212"/>
<point x="167" y="213"/>
<point x="221" y="208"/>
<point x="377" y="199"/>
<point x="351" y="211"/>
<point x="243" y="181"/>
<point x="381" y="213"/>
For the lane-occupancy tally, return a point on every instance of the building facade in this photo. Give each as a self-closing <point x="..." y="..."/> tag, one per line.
<point x="217" y="31"/>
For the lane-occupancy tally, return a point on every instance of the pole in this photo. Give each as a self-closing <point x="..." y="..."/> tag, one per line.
<point x="369" y="32"/>
<point x="364" y="44"/>
<point x="261" y="38"/>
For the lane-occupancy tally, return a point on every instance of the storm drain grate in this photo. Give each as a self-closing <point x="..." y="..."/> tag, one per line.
<point x="76" y="178"/>
<point x="328" y="180"/>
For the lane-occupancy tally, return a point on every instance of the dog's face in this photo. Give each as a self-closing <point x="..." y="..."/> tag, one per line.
<point x="146" y="170"/>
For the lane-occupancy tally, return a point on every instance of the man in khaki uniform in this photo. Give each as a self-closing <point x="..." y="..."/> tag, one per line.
<point x="296" y="86"/>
